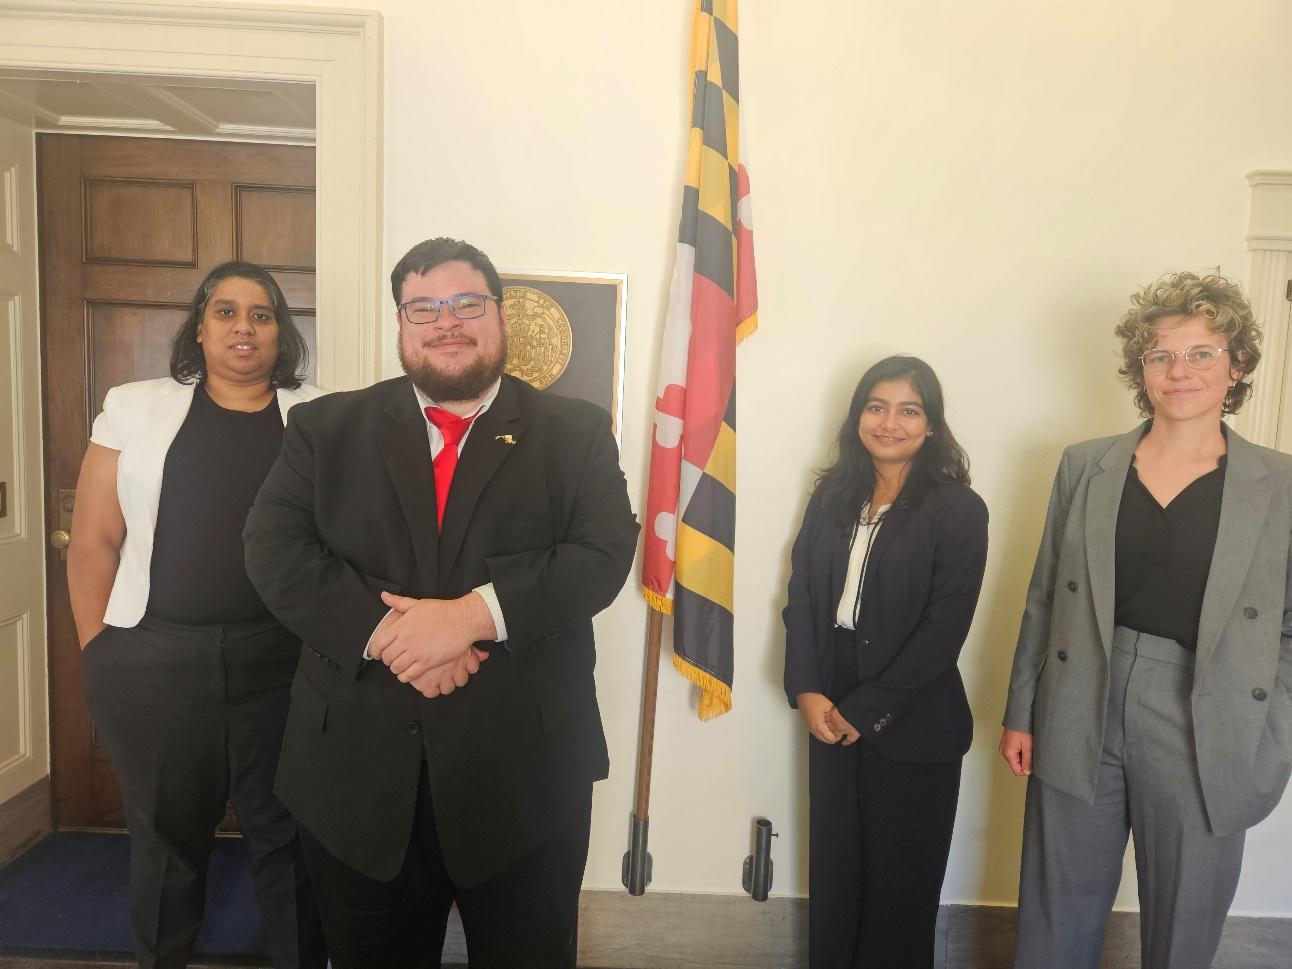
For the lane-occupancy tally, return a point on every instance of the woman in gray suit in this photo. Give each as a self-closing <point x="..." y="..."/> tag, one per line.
<point x="1150" y="689"/>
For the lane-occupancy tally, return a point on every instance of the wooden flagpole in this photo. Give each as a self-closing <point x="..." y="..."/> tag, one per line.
<point x="637" y="860"/>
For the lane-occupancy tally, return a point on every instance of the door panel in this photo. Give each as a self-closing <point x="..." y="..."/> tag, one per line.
<point x="129" y="228"/>
<point x="140" y="221"/>
<point x="125" y="340"/>
<point x="275" y="227"/>
<point x="24" y="732"/>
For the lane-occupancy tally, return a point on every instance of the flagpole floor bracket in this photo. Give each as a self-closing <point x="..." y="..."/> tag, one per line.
<point x="636" y="874"/>
<point x="757" y="874"/>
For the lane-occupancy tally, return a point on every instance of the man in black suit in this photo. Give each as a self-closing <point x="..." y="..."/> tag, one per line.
<point x="444" y="733"/>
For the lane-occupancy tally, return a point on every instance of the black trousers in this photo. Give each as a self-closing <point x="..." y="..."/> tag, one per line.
<point x="526" y="917"/>
<point x="878" y="840"/>
<point x="191" y="717"/>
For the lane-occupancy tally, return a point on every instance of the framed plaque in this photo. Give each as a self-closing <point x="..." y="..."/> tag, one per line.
<point x="567" y="334"/>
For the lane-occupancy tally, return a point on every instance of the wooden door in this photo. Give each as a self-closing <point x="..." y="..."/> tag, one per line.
<point x="129" y="227"/>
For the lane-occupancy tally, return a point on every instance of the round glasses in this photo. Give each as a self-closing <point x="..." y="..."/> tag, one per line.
<point x="467" y="306"/>
<point x="1202" y="357"/>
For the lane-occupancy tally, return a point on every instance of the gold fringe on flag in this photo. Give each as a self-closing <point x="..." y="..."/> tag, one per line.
<point x="715" y="696"/>
<point x="658" y="602"/>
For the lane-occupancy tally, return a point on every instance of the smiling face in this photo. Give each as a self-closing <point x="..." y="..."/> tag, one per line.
<point x="893" y="425"/>
<point x="452" y="360"/>
<point x="239" y="332"/>
<point x="1182" y="393"/>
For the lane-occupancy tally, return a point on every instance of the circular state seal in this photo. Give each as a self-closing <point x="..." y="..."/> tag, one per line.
<point x="540" y="340"/>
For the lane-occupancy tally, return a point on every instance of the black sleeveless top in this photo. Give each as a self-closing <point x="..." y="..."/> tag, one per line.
<point x="214" y="467"/>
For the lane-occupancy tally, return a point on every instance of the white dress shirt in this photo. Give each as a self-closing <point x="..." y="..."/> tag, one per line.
<point x="436" y="441"/>
<point x="863" y="539"/>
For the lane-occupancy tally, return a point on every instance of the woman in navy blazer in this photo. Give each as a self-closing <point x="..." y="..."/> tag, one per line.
<point x="885" y="577"/>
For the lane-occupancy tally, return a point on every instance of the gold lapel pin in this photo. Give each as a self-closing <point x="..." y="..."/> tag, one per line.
<point x="505" y="438"/>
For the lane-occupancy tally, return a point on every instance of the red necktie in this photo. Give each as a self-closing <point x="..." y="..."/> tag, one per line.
<point x="446" y="462"/>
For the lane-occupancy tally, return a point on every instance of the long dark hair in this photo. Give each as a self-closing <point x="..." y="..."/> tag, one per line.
<point x="850" y="482"/>
<point x="186" y="360"/>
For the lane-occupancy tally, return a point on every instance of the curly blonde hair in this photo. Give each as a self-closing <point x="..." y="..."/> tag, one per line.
<point x="1186" y="294"/>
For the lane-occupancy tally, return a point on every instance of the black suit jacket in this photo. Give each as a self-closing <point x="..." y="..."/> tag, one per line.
<point x="539" y="507"/>
<point x="917" y="602"/>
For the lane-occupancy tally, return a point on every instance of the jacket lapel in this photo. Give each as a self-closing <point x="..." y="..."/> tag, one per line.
<point x="166" y="415"/>
<point x="894" y="519"/>
<point x="839" y="549"/>
<point x="406" y="451"/>
<point x="1243" y="507"/>
<point x="1103" y="501"/>
<point x="495" y="434"/>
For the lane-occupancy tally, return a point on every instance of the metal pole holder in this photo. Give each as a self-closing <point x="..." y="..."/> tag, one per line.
<point x="757" y="876"/>
<point x="637" y="860"/>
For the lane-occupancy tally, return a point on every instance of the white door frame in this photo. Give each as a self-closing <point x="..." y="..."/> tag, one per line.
<point x="339" y="52"/>
<point x="24" y="714"/>
<point x="1267" y="417"/>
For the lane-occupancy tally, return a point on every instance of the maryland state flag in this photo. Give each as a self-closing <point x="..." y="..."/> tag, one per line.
<point x="691" y="507"/>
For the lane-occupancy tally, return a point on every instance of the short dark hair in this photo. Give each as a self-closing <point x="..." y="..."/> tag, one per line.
<point x="850" y="481"/>
<point x="425" y="256"/>
<point x="187" y="363"/>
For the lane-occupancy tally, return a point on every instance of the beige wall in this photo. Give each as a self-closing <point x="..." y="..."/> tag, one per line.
<point x="979" y="184"/>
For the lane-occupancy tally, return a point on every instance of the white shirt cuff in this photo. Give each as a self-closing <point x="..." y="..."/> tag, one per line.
<point x="366" y="654"/>
<point x="486" y="592"/>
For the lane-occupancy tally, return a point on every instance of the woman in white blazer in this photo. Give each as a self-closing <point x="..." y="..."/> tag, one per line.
<point x="186" y="672"/>
<point x="1150" y="689"/>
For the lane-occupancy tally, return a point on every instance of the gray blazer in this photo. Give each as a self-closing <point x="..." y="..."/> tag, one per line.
<point x="1242" y="683"/>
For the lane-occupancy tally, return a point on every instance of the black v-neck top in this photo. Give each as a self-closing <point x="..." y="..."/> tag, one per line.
<point x="1164" y="556"/>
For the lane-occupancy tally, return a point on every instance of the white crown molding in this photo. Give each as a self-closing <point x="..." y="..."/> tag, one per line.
<point x="341" y="20"/>
<point x="1269" y="243"/>
<point x="292" y="106"/>
<point x="1269" y="178"/>
<point x="337" y="51"/>
<point x="29" y="109"/>
<point x="302" y="136"/>
<point x="125" y="124"/>
<point x="185" y="109"/>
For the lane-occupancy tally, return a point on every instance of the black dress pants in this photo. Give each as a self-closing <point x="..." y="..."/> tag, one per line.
<point x="192" y="717"/>
<point x="525" y="917"/>
<point x="878" y="840"/>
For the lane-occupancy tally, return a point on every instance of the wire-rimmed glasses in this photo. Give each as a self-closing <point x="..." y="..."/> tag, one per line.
<point x="1201" y="357"/>
<point x="464" y="306"/>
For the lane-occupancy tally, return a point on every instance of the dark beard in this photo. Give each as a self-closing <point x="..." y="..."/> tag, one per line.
<point x="468" y="384"/>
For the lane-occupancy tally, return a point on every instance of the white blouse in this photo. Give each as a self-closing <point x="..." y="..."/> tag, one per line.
<point x="863" y="538"/>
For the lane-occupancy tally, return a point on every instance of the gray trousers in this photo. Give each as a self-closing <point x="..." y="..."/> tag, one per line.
<point x="1148" y="787"/>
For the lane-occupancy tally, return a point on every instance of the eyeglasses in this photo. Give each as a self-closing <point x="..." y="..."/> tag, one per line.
<point x="467" y="306"/>
<point x="1158" y="361"/>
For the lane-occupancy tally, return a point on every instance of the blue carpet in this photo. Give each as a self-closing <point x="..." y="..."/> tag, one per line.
<point x="70" y="894"/>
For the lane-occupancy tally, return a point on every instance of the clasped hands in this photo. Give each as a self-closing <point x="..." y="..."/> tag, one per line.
<point x="824" y="720"/>
<point x="429" y="643"/>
